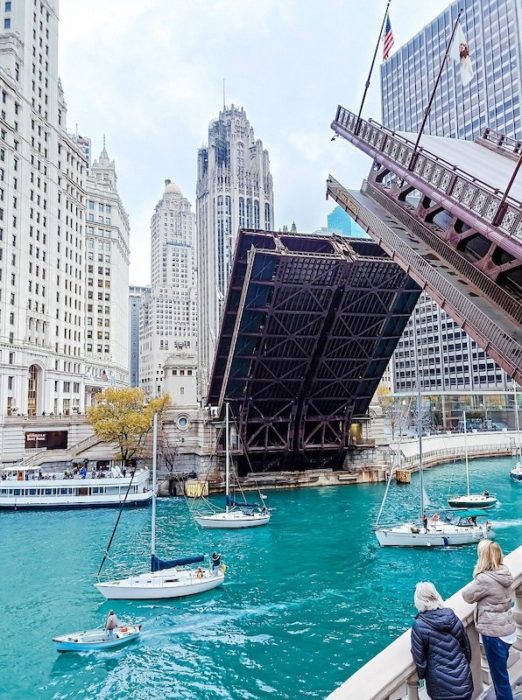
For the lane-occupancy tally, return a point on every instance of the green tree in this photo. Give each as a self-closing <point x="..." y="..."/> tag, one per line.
<point x="124" y="417"/>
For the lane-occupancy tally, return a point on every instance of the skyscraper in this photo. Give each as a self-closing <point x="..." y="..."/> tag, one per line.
<point x="168" y="316"/>
<point x="136" y="295"/>
<point x="43" y="267"/>
<point x="106" y="279"/>
<point x="234" y="190"/>
<point x="493" y="28"/>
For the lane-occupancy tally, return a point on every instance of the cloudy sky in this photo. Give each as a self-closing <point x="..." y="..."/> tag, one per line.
<point x="148" y="75"/>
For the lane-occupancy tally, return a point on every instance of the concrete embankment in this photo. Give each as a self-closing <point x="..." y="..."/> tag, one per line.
<point x="367" y="465"/>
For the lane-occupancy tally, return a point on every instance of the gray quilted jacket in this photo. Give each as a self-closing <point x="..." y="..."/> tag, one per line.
<point x="491" y="591"/>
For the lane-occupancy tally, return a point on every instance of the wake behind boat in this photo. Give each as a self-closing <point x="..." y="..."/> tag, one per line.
<point x="166" y="579"/>
<point x="97" y="639"/>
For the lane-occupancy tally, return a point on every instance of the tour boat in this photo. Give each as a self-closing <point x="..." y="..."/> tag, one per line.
<point x="97" y="639"/>
<point x="26" y="487"/>
<point x="471" y="500"/>
<point x="166" y="579"/>
<point x="428" y="531"/>
<point x="237" y="514"/>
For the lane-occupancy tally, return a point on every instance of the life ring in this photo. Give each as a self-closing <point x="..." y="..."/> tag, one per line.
<point x="124" y="629"/>
<point x="199" y="572"/>
<point x="435" y="517"/>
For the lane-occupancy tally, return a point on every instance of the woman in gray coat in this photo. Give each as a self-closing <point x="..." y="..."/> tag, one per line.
<point x="491" y="591"/>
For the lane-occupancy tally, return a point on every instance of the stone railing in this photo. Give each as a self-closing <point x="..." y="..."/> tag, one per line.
<point x="391" y="675"/>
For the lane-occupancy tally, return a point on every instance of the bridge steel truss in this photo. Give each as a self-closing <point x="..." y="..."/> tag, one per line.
<point x="436" y="222"/>
<point x="309" y="326"/>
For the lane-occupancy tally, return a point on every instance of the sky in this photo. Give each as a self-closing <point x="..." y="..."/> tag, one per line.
<point x="149" y="75"/>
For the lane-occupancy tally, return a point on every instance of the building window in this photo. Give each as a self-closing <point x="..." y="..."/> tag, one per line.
<point x="7" y="23"/>
<point x="8" y="6"/>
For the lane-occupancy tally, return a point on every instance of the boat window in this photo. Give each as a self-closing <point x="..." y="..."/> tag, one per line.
<point x="64" y="492"/>
<point x="32" y="492"/>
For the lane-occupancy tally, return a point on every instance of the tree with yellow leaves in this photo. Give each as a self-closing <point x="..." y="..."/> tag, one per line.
<point x="124" y="416"/>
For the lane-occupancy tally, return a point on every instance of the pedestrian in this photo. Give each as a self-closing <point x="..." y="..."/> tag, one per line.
<point x="491" y="590"/>
<point x="425" y="522"/>
<point x="111" y="623"/>
<point x="440" y="647"/>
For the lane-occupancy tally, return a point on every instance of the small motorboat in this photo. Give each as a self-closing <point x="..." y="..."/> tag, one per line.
<point x="516" y="472"/>
<point x="97" y="639"/>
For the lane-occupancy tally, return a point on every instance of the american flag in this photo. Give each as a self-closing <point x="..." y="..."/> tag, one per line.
<point x="387" y="40"/>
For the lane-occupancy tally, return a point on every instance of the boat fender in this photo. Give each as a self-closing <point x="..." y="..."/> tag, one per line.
<point x="223" y="568"/>
<point x="199" y="572"/>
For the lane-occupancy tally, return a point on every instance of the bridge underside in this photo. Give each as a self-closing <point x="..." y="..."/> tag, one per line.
<point x="449" y="230"/>
<point x="309" y="327"/>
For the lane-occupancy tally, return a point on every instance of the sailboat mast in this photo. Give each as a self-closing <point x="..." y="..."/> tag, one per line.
<point x="227" y="458"/>
<point x="466" y="448"/>
<point x="515" y="399"/>
<point x="154" y="467"/>
<point x="419" y="434"/>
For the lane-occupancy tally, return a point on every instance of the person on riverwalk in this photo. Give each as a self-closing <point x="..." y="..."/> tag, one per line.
<point x="440" y="647"/>
<point x="111" y="623"/>
<point x="491" y="590"/>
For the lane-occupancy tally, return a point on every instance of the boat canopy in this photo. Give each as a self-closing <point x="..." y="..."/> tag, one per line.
<point x="157" y="564"/>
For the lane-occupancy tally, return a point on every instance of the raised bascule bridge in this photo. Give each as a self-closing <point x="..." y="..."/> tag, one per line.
<point x="309" y="326"/>
<point x="450" y="215"/>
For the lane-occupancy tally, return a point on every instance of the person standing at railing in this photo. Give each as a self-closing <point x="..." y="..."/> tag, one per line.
<point x="440" y="647"/>
<point x="491" y="590"/>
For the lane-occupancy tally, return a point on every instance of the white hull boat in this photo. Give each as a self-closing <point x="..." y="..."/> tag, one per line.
<point x="439" y="534"/>
<point x="168" y="583"/>
<point x="166" y="579"/>
<point x="237" y="514"/>
<point x="473" y="500"/>
<point x="232" y="520"/>
<point x="516" y="472"/>
<point x="17" y="492"/>
<point x="97" y="639"/>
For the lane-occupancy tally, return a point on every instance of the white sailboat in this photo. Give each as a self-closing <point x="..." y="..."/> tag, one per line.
<point x="516" y="472"/>
<point x="428" y="531"/>
<point x="471" y="500"/>
<point x="166" y="579"/>
<point x="237" y="514"/>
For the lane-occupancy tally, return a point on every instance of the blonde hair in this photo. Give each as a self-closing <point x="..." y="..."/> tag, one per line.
<point x="490" y="557"/>
<point x="426" y="597"/>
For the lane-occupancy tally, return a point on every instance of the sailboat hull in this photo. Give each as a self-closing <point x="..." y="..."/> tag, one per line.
<point x="233" y="520"/>
<point x="160" y="585"/>
<point x="472" y="501"/>
<point x="443" y="535"/>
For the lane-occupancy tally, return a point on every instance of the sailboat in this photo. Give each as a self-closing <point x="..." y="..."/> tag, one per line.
<point x="428" y="531"/>
<point x="516" y="472"/>
<point x="237" y="514"/>
<point x="471" y="500"/>
<point x="166" y="579"/>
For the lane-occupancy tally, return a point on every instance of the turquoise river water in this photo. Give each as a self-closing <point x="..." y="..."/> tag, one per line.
<point x="307" y="599"/>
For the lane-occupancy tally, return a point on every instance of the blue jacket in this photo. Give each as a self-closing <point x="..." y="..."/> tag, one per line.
<point x="441" y="651"/>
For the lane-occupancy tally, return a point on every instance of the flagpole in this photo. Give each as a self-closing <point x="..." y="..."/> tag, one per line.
<point x="503" y="206"/>
<point x="367" y="85"/>
<point x="432" y="97"/>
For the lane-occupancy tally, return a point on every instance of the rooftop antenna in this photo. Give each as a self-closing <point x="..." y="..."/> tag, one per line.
<point x="224" y="95"/>
<point x="103" y="141"/>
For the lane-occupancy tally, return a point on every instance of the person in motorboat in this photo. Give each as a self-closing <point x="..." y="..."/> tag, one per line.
<point x="486" y="494"/>
<point x="440" y="647"/>
<point x="111" y="623"/>
<point x="491" y="590"/>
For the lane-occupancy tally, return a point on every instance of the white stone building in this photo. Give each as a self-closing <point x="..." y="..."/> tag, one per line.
<point x="168" y="314"/>
<point x="234" y="190"/>
<point x="42" y="224"/>
<point x="106" y="280"/>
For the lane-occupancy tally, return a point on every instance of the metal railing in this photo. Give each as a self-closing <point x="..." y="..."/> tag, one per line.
<point x="482" y="199"/>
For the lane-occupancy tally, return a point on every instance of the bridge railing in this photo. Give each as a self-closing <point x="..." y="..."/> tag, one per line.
<point x="445" y="178"/>
<point x="391" y="675"/>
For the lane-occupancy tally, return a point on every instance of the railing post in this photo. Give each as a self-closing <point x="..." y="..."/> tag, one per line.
<point x="517" y="614"/>
<point x="413" y="687"/>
